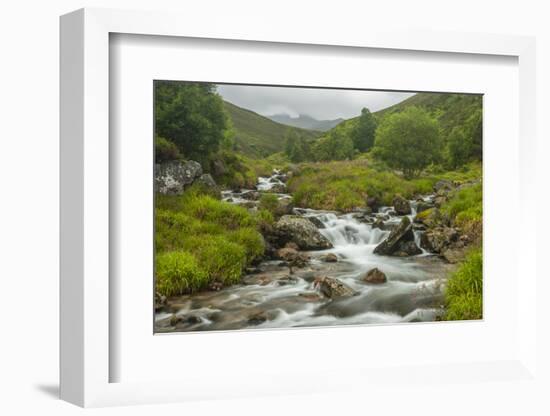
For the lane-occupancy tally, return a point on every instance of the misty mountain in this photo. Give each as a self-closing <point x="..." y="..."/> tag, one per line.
<point x="306" y="122"/>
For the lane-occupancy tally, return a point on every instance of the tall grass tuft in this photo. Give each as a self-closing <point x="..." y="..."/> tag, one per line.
<point x="464" y="292"/>
<point x="200" y="240"/>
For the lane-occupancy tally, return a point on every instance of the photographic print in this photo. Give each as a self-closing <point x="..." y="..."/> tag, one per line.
<point x="285" y="206"/>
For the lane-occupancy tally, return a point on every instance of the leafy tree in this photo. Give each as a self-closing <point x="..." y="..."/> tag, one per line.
<point x="191" y="115"/>
<point x="409" y="140"/>
<point x="363" y="133"/>
<point x="459" y="147"/>
<point x="474" y="130"/>
<point x="335" y="146"/>
<point x="296" y="147"/>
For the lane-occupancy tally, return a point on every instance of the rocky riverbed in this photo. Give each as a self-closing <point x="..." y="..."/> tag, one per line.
<point x="370" y="266"/>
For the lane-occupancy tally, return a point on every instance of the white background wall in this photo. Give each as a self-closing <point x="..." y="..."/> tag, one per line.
<point x="29" y="185"/>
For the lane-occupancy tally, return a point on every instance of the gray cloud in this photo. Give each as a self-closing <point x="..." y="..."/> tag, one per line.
<point x="322" y="104"/>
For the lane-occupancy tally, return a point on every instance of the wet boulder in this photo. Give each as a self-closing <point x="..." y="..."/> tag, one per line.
<point x="375" y="276"/>
<point x="443" y="185"/>
<point x="407" y="248"/>
<point x="171" y="178"/>
<point x="422" y="206"/>
<point x="299" y="230"/>
<point x="373" y="203"/>
<point x="160" y="301"/>
<point x="259" y="317"/>
<point x="277" y="188"/>
<point x="285" y="206"/>
<point x="401" y="205"/>
<point x="293" y="258"/>
<point x="250" y="195"/>
<point x="329" y="258"/>
<point x="400" y="234"/>
<point x="316" y="221"/>
<point x="431" y="218"/>
<point x="438" y="239"/>
<point x="378" y="223"/>
<point x="454" y="255"/>
<point x="333" y="288"/>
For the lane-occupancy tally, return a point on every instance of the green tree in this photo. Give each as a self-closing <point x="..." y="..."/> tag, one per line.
<point x="363" y="133"/>
<point x="296" y="147"/>
<point x="459" y="147"/>
<point x="335" y="146"/>
<point x="190" y="115"/>
<point x="409" y="141"/>
<point x="474" y="130"/>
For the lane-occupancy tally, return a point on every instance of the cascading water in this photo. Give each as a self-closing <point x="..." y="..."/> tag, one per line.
<point x="271" y="298"/>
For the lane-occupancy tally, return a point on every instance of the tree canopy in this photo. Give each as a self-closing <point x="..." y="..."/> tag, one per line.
<point x="335" y="146"/>
<point x="296" y="147"/>
<point x="191" y="115"/>
<point x="363" y="133"/>
<point x="409" y="141"/>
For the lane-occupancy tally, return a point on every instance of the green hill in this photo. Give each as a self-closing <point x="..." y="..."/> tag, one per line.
<point x="450" y="109"/>
<point x="258" y="136"/>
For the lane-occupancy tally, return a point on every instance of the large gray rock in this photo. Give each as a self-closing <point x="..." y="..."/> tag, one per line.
<point x="209" y="184"/>
<point x="431" y="218"/>
<point x="171" y="178"/>
<point x="285" y="206"/>
<point x="250" y="195"/>
<point x="437" y="240"/>
<point x="299" y="230"/>
<point x="277" y="188"/>
<point x="373" y="203"/>
<point x="407" y="248"/>
<point x="443" y="185"/>
<point x="333" y="288"/>
<point x="401" y="205"/>
<point x="375" y="276"/>
<point x="401" y="234"/>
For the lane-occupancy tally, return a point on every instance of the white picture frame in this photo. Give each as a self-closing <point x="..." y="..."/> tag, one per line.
<point x="86" y="356"/>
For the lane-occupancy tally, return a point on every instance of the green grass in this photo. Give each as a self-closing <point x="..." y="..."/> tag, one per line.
<point x="269" y="202"/>
<point x="200" y="240"/>
<point x="465" y="208"/>
<point x="178" y="272"/>
<point x="344" y="185"/>
<point x="464" y="292"/>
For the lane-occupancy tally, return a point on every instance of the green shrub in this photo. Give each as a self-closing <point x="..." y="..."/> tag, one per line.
<point x="220" y="259"/>
<point x="251" y="240"/>
<point x="178" y="272"/>
<point x="165" y="150"/>
<point x="464" y="292"/>
<point x="466" y="205"/>
<point x="217" y="238"/>
<point x="269" y="202"/>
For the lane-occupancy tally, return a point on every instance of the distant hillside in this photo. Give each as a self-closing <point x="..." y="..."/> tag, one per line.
<point x="258" y="136"/>
<point x="306" y="122"/>
<point x="450" y="109"/>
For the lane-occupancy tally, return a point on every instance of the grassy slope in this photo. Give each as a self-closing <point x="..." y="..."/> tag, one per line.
<point x="450" y="109"/>
<point x="200" y="240"/>
<point x="344" y="185"/>
<point x="258" y="136"/>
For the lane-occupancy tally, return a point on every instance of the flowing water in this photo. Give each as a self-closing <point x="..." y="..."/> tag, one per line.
<point x="272" y="298"/>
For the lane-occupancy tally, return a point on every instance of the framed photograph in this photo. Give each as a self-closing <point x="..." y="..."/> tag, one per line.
<point x="242" y="216"/>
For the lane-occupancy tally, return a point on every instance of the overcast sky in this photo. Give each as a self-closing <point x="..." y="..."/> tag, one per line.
<point x="322" y="104"/>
